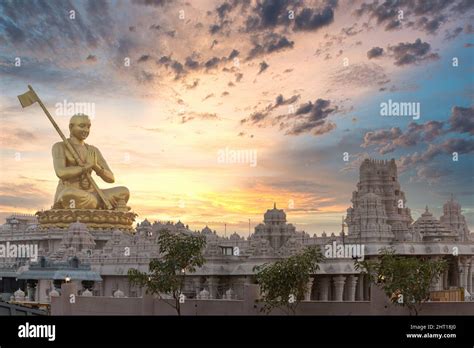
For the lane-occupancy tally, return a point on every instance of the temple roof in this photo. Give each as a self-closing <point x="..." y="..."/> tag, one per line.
<point x="274" y="215"/>
<point x="429" y="226"/>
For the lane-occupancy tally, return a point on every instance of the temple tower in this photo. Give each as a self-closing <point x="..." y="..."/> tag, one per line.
<point x="379" y="206"/>
<point x="454" y="220"/>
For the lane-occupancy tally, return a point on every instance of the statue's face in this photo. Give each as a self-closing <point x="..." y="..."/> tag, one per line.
<point x="80" y="127"/>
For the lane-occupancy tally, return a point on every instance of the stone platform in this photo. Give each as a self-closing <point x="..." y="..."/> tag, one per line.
<point x="94" y="218"/>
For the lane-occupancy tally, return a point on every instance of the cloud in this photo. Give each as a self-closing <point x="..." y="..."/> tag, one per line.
<point x="360" y="74"/>
<point x="208" y="96"/>
<point x="199" y="116"/>
<point x="311" y="117"/>
<point x="172" y="64"/>
<point x="374" y="52"/>
<point x="452" y="35"/>
<point x="463" y="6"/>
<point x="233" y="54"/>
<point x="310" y="19"/>
<point x="268" y="44"/>
<point x="13" y="33"/>
<point x="144" y="58"/>
<point x="238" y="77"/>
<point x="212" y="63"/>
<point x="261" y="115"/>
<point x="429" y="174"/>
<point x="194" y="85"/>
<point x="53" y="30"/>
<point x="268" y="13"/>
<point x="91" y="58"/>
<point x="263" y="66"/>
<point x="388" y="140"/>
<point x="14" y="137"/>
<point x="155" y="3"/>
<point x="462" y="120"/>
<point x="25" y="195"/>
<point x="449" y="146"/>
<point x="412" y="53"/>
<point x="424" y="15"/>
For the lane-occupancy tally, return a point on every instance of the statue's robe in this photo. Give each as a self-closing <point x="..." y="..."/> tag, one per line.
<point x="74" y="191"/>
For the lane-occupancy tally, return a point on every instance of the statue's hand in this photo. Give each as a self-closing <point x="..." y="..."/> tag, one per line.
<point x="92" y="157"/>
<point x="87" y="167"/>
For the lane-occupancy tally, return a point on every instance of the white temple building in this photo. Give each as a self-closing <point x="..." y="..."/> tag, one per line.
<point x="379" y="217"/>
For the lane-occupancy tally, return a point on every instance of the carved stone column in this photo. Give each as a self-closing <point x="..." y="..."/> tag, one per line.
<point x="324" y="288"/>
<point x="469" y="277"/>
<point x="463" y="275"/>
<point x="309" y="288"/>
<point x="360" y="288"/>
<point x="212" y="283"/>
<point x="351" y="287"/>
<point x="339" y="287"/>
<point x="445" y="280"/>
<point x="197" y="285"/>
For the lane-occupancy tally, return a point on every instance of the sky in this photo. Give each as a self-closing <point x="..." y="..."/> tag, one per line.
<point x="176" y="90"/>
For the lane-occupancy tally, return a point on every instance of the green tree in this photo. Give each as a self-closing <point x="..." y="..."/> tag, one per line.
<point x="181" y="255"/>
<point x="283" y="284"/>
<point x="406" y="280"/>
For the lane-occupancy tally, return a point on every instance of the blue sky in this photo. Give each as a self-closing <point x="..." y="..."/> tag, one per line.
<point x="225" y="76"/>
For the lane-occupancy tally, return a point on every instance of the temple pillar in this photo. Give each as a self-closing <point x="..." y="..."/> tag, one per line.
<point x="309" y="288"/>
<point x="339" y="287"/>
<point x="360" y="288"/>
<point x="351" y="287"/>
<point x="469" y="277"/>
<point x="324" y="288"/>
<point x="197" y="285"/>
<point x="445" y="280"/>
<point x="212" y="283"/>
<point x="463" y="275"/>
<point x="31" y="290"/>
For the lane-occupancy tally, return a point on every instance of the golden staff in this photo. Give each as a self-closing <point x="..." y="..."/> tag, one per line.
<point x="30" y="98"/>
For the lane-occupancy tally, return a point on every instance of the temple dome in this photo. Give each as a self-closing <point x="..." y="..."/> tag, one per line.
<point x="119" y="294"/>
<point x="145" y="223"/>
<point x="19" y="295"/>
<point x="206" y="230"/>
<point x="274" y="215"/>
<point x="234" y="236"/>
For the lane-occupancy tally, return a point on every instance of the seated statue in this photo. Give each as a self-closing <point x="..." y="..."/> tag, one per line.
<point x="74" y="190"/>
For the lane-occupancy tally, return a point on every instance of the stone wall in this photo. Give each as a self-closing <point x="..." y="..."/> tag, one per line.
<point x="148" y="305"/>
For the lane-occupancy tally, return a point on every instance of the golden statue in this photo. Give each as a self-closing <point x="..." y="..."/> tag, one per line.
<point x="74" y="189"/>
<point x="78" y="198"/>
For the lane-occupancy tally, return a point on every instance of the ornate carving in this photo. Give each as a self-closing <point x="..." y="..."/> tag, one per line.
<point x="93" y="218"/>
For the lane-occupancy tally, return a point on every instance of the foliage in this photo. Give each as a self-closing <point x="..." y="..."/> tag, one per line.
<point x="283" y="284"/>
<point x="181" y="254"/>
<point x="406" y="280"/>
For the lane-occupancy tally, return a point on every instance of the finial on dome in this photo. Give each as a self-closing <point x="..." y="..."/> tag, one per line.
<point x="426" y="208"/>
<point x="274" y="205"/>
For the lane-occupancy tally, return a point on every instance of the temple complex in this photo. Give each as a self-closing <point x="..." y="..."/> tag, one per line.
<point x="98" y="259"/>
